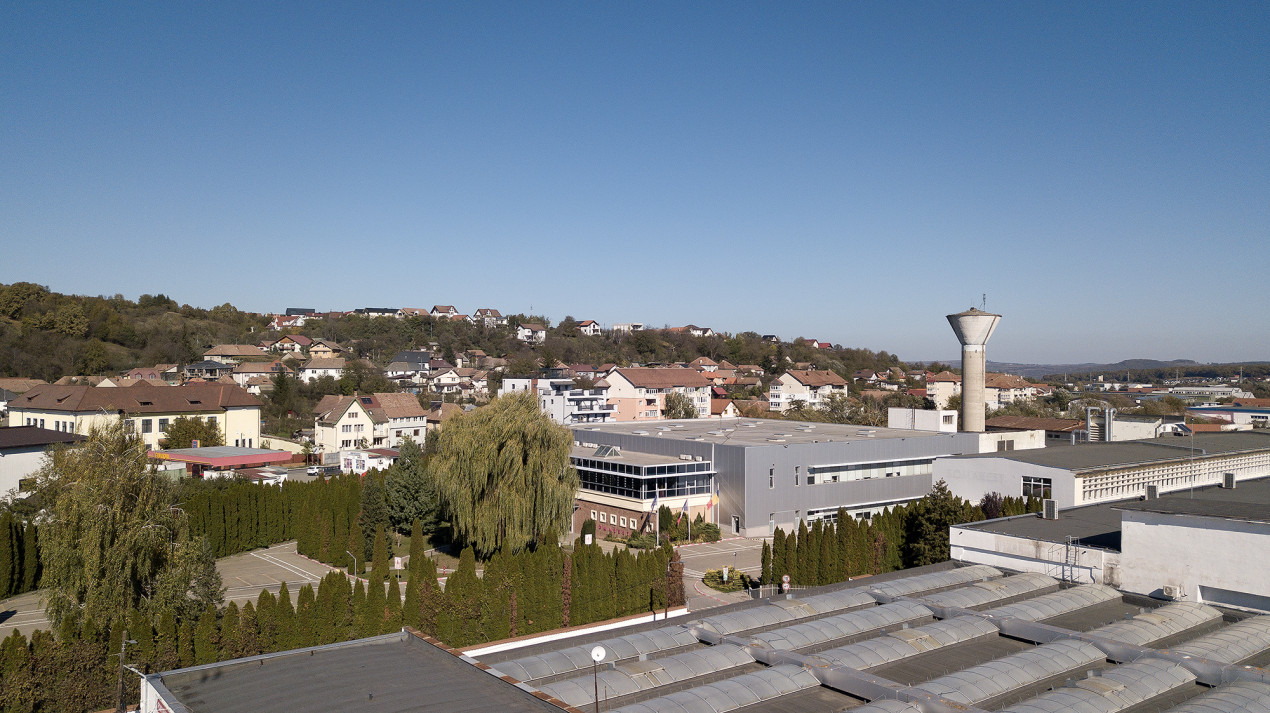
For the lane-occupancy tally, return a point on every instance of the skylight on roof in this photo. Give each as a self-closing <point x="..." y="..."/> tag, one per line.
<point x="607" y="452"/>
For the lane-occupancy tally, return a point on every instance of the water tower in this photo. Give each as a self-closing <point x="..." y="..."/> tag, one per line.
<point x="974" y="328"/>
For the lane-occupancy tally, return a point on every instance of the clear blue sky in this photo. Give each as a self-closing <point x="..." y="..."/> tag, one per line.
<point x="849" y="171"/>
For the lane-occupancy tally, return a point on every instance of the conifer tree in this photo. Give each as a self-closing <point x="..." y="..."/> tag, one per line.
<point x="828" y="547"/>
<point x="231" y="642"/>
<point x="813" y="554"/>
<point x="842" y="537"/>
<point x="285" y="621"/>
<point x="392" y="618"/>
<point x="185" y="643"/>
<point x="356" y="545"/>
<point x="416" y="547"/>
<point x="306" y="628"/>
<point x="765" y="564"/>
<point x="30" y="558"/>
<point x="9" y="554"/>
<point x="379" y="557"/>
<point x="362" y="616"/>
<point x="206" y="649"/>
<point x="780" y="567"/>
<point x="143" y="652"/>
<point x="249" y="628"/>
<point x="266" y="612"/>
<point x="166" y="642"/>
<point x="791" y="557"/>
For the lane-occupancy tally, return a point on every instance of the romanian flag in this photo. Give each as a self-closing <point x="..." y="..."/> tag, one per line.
<point x="714" y="498"/>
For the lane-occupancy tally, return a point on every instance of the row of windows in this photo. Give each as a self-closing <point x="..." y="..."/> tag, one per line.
<point x="1034" y="487"/>
<point x="820" y="475"/>
<point x="644" y="488"/>
<point x="606" y="518"/>
<point x="631" y="469"/>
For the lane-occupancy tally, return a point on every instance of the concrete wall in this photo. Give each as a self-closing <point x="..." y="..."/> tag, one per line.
<point x="1214" y="559"/>
<point x="16" y="464"/>
<point x="1017" y="440"/>
<point x="972" y="478"/>
<point x="921" y="419"/>
<point x="1089" y="565"/>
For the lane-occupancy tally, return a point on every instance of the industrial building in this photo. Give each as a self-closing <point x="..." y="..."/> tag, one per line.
<point x="767" y="473"/>
<point x="939" y="639"/>
<point x="1200" y="545"/>
<point x="1104" y="472"/>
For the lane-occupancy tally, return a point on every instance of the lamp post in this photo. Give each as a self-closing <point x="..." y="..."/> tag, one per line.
<point x="350" y="554"/>
<point x="123" y="645"/>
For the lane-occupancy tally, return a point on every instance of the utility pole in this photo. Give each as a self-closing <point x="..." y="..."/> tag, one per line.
<point x="119" y="695"/>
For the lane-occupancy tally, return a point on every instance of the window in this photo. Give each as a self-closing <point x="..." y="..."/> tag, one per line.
<point x="622" y="520"/>
<point x="604" y="517"/>
<point x="1005" y="445"/>
<point x="1034" y="487"/>
<point x="163" y="425"/>
<point x="771" y="523"/>
<point x="796" y="475"/>
<point x="211" y="420"/>
<point x="948" y="419"/>
<point x="147" y="425"/>
<point x="41" y="423"/>
<point x="771" y="478"/>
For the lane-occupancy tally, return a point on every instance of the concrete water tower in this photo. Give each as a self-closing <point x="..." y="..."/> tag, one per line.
<point x="974" y="328"/>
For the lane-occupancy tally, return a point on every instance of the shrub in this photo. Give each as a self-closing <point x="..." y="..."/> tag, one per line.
<point x="736" y="581"/>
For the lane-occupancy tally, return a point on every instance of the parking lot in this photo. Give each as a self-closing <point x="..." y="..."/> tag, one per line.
<point x="737" y="554"/>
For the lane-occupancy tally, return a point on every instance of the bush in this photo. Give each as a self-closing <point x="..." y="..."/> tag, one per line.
<point x="736" y="581"/>
<point x="645" y="541"/>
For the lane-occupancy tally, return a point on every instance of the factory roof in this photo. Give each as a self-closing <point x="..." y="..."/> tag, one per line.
<point x="1100" y="456"/>
<point x="1099" y="525"/>
<point x="755" y="431"/>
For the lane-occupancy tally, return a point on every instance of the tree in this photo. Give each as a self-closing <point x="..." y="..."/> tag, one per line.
<point x="503" y="475"/>
<point x="412" y="497"/>
<point x="679" y="406"/>
<point x="8" y="556"/>
<point x="113" y="539"/>
<point x="927" y="523"/>
<point x="182" y="432"/>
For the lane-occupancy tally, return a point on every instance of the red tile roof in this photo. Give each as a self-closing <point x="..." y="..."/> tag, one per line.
<point x="181" y="399"/>
<point x="817" y="378"/>
<point x="650" y="378"/>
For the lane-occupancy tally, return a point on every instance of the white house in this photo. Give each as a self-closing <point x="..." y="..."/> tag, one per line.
<point x="378" y="420"/>
<point x="810" y="387"/>
<point x="360" y="461"/>
<point x="246" y="371"/>
<point x="628" y="327"/>
<point x="562" y="402"/>
<point x="446" y="311"/>
<point x="531" y="333"/>
<point x="640" y="393"/>
<point x="409" y="365"/>
<point x="590" y="327"/>
<point x="489" y="317"/>
<point x="318" y="367"/>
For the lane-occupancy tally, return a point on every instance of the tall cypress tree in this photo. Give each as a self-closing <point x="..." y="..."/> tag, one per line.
<point x="361" y="613"/>
<point x="206" y="649"/>
<point x="791" y="557"/>
<point x="266" y="613"/>
<point x="231" y="642"/>
<point x="765" y="564"/>
<point x="185" y="643"/>
<point x="306" y="628"/>
<point x="780" y="567"/>
<point x="392" y="619"/>
<point x="379" y="556"/>
<point x="143" y="652"/>
<point x="249" y="628"/>
<point x="9" y="554"/>
<point x="166" y="642"/>
<point x="284" y="619"/>
<point x="416" y="547"/>
<point x="30" y="558"/>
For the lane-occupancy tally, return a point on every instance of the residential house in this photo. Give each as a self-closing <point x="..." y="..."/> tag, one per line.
<point x="440" y="413"/>
<point x="318" y="367"/>
<point x="22" y="450"/>
<point x="300" y="312"/>
<point x="817" y="344"/>
<point x="362" y="461"/>
<point x="324" y="348"/>
<point x="292" y="343"/>
<point x="866" y="375"/>
<point x="20" y="385"/>
<point x="750" y="370"/>
<point x="282" y="321"/>
<point x="810" y="387"/>
<point x="234" y="353"/>
<point x="146" y="410"/>
<point x="999" y="389"/>
<point x="446" y="381"/>
<point x="368" y="420"/>
<point x="704" y="364"/>
<point x="379" y="312"/>
<point x="941" y="387"/>
<point x="446" y="311"/>
<point x="488" y="317"/>
<point x="590" y="327"/>
<point x="562" y="401"/>
<point x="723" y="408"/>
<point x="414" y="312"/>
<point x="640" y="393"/>
<point x="627" y="327"/>
<point x="531" y="333"/>
<point x="771" y="339"/>
<point x="584" y="371"/>
<point x="247" y="371"/>
<point x="409" y="366"/>
<point x="208" y="370"/>
<point x="147" y="373"/>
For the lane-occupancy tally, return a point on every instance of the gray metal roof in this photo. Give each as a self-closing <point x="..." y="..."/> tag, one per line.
<point x="730" y="694"/>
<point x="636" y="676"/>
<point x="936" y="580"/>
<point x="755" y="431"/>
<point x="907" y="642"/>
<point x="995" y="678"/>
<point x="1117" y="689"/>
<point x="1238" y="697"/>
<point x="575" y="658"/>
<point x="888" y="705"/>
<point x="1099" y="456"/>
<point x="1061" y="602"/>
<point x="1237" y="642"/>
<point x="1232" y="509"/>
<point x="383" y="674"/>
<point x="818" y="631"/>
<point x="1157" y="624"/>
<point x="993" y="590"/>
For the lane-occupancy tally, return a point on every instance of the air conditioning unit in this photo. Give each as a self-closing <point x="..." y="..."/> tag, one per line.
<point x="1153" y="492"/>
<point x="1171" y="591"/>
<point x="1228" y="480"/>
<point x="1049" y="509"/>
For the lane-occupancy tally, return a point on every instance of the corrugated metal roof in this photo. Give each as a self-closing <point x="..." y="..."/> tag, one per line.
<point x="993" y="590"/>
<point x="1239" y="641"/>
<point x="1117" y="689"/>
<point x="907" y="642"/>
<point x="819" y="631"/>
<point x="1238" y="697"/>
<point x="1013" y="672"/>
<point x="638" y="676"/>
<point x="936" y="580"/>
<point x="575" y="658"/>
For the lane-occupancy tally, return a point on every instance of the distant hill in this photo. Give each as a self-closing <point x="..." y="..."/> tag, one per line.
<point x="1038" y="371"/>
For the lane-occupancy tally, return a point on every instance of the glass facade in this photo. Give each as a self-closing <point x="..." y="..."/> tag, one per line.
<point x="642" y="482"/>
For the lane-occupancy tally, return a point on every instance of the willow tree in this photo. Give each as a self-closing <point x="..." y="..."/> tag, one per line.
<point x="503" y="476"/>
<point x="113" y="540"/>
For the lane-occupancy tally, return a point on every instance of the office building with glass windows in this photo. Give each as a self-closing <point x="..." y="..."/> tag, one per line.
<point x="766" y="473"/>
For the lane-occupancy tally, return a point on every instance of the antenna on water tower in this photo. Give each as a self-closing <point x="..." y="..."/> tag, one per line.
<point x="984" y="307"/>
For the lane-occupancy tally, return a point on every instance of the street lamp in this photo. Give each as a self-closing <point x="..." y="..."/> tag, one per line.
<point x="123" y="645"/>
<point x="350" y="554"/>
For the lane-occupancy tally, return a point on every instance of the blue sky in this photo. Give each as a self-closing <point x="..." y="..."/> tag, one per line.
<point x="849" y="172"/>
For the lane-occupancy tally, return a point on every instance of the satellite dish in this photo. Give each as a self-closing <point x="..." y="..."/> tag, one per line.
<point x="597" y="654"/>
